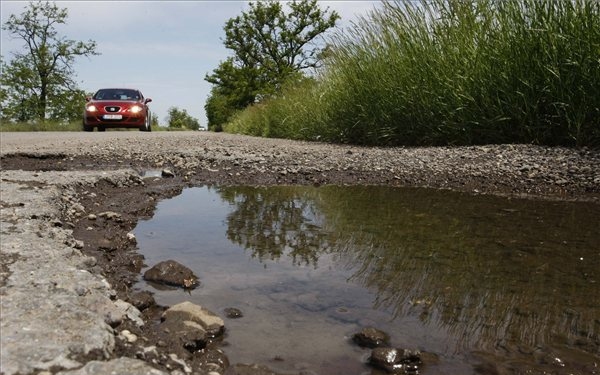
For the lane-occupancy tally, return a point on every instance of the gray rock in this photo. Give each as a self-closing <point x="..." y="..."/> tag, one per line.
<point x="173" y="273"/>
<point x="187" y="311"/>
<point x="184" y="334"/>
<point x="129" y="311"/>
<point x="142" y="300"/>
<point x="122" y="365"/>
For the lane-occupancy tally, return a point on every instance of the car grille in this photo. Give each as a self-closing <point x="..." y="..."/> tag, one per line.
<point x="129" y="120"/>
<point x="112" y="109"/>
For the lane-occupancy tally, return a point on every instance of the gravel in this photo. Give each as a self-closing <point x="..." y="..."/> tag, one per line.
<point x="206" y="157"/>
<point x="58" y="316"/>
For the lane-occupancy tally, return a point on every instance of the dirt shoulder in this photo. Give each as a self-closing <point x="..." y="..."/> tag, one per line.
<point x="69" y="201"/>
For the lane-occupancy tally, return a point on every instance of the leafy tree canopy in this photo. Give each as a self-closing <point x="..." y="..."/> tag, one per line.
<point x="37" y="83"/>
<point x="269" y="46"/>
<point x="180" y="119"/>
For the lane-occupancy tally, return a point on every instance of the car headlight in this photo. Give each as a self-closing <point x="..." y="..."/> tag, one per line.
<point x="136" y="109"/>
<point x="91" y="108"/>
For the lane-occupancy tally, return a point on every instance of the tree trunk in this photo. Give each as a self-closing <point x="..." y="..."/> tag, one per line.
<point x="41" y="110"/>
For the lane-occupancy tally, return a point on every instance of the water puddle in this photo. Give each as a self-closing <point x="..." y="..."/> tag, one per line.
<point x="481" y="284"/>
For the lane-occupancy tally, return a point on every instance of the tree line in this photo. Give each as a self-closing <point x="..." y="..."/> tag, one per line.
<point x="269" y="45"/>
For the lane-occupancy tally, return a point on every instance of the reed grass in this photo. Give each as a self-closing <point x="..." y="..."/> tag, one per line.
<point x="444" y="72"/>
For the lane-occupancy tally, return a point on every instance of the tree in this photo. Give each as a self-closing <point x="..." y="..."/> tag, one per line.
<point x="269" y="47"/>
<point x="154" y="120"/>
<point x="180" y="119"/>
<point x="38" y="83"/>
<point x="218" y="110"/>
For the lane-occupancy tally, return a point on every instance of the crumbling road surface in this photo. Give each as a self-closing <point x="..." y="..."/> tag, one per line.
<point x="63" y="310"/>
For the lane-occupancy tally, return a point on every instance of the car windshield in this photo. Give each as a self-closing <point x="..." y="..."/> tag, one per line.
<point x="116" y="94"/>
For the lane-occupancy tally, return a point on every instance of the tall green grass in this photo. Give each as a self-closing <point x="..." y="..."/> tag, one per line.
<point x="295" y="114"/>
<point x="438" y="72"/>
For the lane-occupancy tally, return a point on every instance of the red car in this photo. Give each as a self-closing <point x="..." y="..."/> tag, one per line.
<point x="117" y="108"/>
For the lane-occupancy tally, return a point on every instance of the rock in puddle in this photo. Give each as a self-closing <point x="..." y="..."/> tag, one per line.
<point x="233" y="313"/>
<point x="370" y="337"/>
<point x="396" y="361"/>
<point x="172" y="273"/>
<point x="187" y="311"/>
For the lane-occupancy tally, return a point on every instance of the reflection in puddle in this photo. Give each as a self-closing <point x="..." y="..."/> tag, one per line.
<point x="484" y="284"/>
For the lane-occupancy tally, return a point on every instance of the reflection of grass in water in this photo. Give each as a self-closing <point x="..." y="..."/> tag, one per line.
<point x="479" y="271"/>
<point x="491" y="271"/>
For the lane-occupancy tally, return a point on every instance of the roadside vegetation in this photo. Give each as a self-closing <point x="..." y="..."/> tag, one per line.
<point x="448" y="72"/>
<point x="40" y="126"/>
<point x="38" y="83"/>
<point x="52" y="126"/>
<point x="180" y="119"/>
<point x="271" y="43"/>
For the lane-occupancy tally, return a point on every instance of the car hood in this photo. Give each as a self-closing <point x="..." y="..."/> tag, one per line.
<point x="116" y="103"/>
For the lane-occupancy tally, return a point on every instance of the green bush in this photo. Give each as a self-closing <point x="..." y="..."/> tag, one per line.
<point x="292" y="114"/>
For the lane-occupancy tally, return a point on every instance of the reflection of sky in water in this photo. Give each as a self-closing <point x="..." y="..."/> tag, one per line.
<point x="472" y="279"/>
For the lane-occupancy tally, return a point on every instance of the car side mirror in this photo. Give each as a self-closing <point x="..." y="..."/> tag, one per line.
<point x="148" y="100"/>
<point x="88" y="98"/>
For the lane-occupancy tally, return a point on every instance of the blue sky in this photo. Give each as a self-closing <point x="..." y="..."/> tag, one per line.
<point x="164" y="48"/>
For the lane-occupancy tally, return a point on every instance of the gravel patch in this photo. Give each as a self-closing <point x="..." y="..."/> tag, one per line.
<point x="206" y="157"/>
<point x="60" y="309"/>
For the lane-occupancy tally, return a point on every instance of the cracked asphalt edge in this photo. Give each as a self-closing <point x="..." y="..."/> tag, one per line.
<point x="54" y="312"/>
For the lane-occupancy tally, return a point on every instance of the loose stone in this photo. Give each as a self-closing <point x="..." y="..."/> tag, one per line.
<point x="396" y="361"/>
<point x="110" y="215"/>
<point x="233" y="313"/>
<point x="127" y="335"/>
<point x="371" y="338"/>
<point x="142" y="300"/>
<point x="173" y="273"/>
<point x="187" y="311"/>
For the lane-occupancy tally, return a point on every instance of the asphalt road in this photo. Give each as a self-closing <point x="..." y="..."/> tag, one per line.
<point x="535" y="171"/>
<point x="57" y="316"/>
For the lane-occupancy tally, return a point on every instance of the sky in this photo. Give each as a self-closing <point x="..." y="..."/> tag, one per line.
<point x="163" y="48"/>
